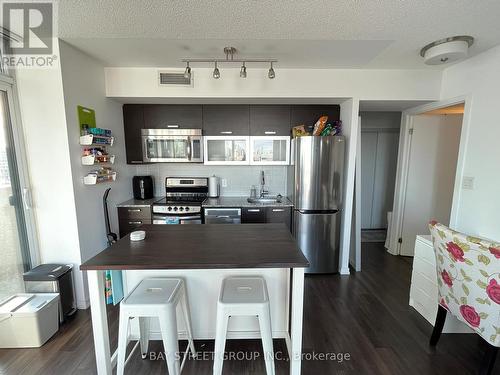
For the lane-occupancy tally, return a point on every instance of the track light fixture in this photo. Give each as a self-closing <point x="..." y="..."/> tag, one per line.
<point x="216" y="72"/>
<point x="187" y="72"/>
<point x="271" y="73"/>
<point x="243" y="71"/>
<point x="230" y="52"/>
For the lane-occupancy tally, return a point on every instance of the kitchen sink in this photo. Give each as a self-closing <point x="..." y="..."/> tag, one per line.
<point x="265" y="200"/>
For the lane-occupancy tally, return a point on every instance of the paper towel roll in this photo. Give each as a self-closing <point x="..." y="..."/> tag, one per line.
<point x="213" y="186"/>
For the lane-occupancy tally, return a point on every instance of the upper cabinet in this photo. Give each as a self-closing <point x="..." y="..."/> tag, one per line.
<point x="172" y="116"/>
<point x="270" y="120"/>
<point x="226" y="120"/>
<point x="233" y="134"/>
<point x="309" y="114"/>
<point x="133" y="121"/>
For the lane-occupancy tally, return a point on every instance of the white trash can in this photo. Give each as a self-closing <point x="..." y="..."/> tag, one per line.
<point x="28" y="320"/>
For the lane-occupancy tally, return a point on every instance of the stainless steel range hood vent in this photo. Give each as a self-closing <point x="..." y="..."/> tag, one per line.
<point x="169" y="78"/>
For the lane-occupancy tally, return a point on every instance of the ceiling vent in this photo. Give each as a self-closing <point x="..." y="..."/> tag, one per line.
<point x="169" y="78"/>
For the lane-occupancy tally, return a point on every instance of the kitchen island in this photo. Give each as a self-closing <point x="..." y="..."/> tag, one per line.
<point x="203" y="255"/>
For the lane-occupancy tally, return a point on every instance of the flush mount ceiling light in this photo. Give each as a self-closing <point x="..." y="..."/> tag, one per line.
<point x="447" y="50"/>
<point x="230" y="52"/>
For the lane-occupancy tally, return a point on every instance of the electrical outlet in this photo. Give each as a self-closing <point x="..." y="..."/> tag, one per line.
<point x="468" y="183"/>
<point x="224" y="182"/>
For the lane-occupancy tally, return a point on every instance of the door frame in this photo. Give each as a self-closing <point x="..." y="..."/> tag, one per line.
<point x="8" y="85"/>
<point x="404" y="164"/>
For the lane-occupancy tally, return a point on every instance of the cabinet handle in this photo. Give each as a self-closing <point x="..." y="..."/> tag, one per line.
<point x="269" y="132"/>
<point x="135" y="222"/>
<point x="136" y="161"/>
<point x="253" y="210"/>
<point x="278" y="210"/>
<point x="226" y="132"/>
<point x="172" y="126"/>
<point x="134" y="210"/>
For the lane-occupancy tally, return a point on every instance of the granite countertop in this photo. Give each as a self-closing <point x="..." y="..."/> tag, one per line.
<point x="241" y="202"/>
<point x="139" y="202"/>
<point x="211" y="202"/>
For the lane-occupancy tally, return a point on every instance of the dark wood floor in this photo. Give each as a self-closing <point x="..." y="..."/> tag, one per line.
<point x="365" y="316"/>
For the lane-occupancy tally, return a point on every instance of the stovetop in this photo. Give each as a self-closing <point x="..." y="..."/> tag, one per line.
<point x="180" y="201"/>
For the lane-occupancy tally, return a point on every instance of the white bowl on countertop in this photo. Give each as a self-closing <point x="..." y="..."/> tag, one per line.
<point x="137" y="235"/>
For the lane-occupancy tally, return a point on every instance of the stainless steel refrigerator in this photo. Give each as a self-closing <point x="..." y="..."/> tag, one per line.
<point x="315" y="188"/>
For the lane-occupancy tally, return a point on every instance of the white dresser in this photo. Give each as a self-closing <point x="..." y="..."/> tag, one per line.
<point x="424" y="289"/>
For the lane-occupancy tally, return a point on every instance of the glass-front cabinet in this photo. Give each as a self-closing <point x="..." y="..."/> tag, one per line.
<point x="266" y="150"/>
<point x="226" y="150"/>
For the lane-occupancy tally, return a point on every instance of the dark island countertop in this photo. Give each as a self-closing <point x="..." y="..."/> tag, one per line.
<point x="208" y="246"/>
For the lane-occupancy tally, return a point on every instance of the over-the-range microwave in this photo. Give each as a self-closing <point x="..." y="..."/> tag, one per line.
<point x="172" y="145"/>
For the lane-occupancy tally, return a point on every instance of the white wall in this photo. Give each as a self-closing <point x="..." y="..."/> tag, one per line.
<point x="350" y="129"/>
<point x="83" y="84"/>
<point x="431" y="175"/>
<point x="44" y="123"/>
<point x="477" y="211"/>
<point x="289" y="83"/>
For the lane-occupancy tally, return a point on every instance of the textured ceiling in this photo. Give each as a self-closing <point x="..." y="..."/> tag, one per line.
<point x="314" y="33"/>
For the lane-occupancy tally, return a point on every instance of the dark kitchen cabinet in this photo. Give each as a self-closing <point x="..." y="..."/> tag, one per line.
<point x="270" y="120"/>
<point x="251" y="215"/>
<point x="133" y="122"/>
<point x="276" y="214"/>
<point x="279" y="215"/>
<point x="226" y="120"/>
<point x="170" y="116"/>
<point x="309" y="114"/>
<point x="131" y="218"/>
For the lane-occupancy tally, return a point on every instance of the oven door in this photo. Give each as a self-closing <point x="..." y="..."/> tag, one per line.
<point x="172" y="149"/>
<point x="176" y="219"/>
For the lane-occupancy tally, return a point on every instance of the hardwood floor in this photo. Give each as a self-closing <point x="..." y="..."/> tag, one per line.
<point x="365" y="316"/>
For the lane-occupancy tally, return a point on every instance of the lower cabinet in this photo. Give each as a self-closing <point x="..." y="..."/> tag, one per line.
<point x="253" y="215"/>
<point x="267" y="215"/>
<point x="279" y="215"/>
<point x="131" y="218"/>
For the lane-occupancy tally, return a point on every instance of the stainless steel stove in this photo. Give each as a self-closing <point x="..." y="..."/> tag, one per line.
<point x="182" y="204"/>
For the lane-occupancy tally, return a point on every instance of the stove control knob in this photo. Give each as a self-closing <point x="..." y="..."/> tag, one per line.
<point x="175" y="208"/>
<point x="181" y="208"/>
<point x="187" y="208"/>
<point x="170" y="208"/>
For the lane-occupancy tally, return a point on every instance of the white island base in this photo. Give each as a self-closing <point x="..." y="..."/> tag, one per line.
<point x="203" y="292"/>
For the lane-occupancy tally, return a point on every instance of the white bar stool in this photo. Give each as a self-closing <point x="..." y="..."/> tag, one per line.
<point x="155" y="298"/>
<point x="243" y="296"/>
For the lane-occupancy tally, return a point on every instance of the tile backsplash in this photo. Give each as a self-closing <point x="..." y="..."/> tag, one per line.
<point x="239" y="178"/>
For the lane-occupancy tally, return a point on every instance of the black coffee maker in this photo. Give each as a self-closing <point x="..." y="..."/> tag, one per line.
<point x="143" y="187"/>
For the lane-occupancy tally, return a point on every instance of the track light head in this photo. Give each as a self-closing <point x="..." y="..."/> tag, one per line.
<point x="243" y="71"/>
<point x="271" y="73"/>
<point x="187" y="72"/>
<point x="216" y="74"/>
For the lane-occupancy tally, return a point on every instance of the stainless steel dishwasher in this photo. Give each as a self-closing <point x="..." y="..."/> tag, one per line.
<point x="222" y="215"/>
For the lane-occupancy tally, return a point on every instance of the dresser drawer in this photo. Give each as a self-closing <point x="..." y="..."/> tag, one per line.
<point x="424" y="267"/>
<point x="137" y="212"/>
<point x="425" y="250"/>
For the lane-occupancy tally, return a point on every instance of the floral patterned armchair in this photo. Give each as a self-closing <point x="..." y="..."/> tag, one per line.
<point x="468" y="271"/>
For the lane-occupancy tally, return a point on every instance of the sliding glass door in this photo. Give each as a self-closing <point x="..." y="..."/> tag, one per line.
<point x="15" y="254"/>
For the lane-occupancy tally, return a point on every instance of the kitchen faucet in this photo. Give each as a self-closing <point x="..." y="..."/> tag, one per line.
<point x="263" y="190"/>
